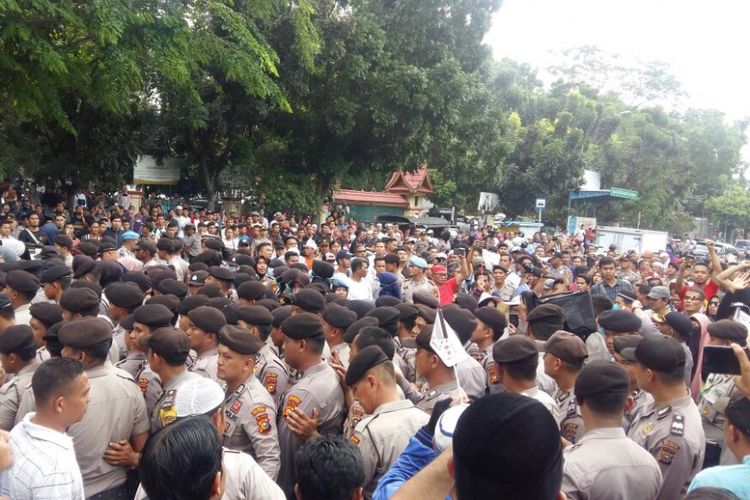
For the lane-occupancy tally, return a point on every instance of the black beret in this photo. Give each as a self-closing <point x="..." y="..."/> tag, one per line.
<point x="548" y="313"/>
<point x="252" y="290"/>
<point x="22" y="281"/>
<point x="242" y="259"/>
<point x="355" y="327"/>
<point x="55" y="272"/>
<point x="153" y="315"/>
<point x="230" y="313"/>
<point x="407" y="312"/>
<point x="385" y="315"/>
<point x="64" y="241"/>
<point x="280" y="314"/>
<point x="367" y="358"/>
<point x="78" y="300"/>
<point x="239" y="340"/>
<point x="198" y="278"/>
<point x="568" y="347"/>
<point x="360" y="307"/>
<point x="219" y="302"/>
<point x="492" y="317"/>
<point x="462" y="321"/>
<point x="221" y="273"/>
<point x="157" y="276"/>
<point x="729" y="330"/>
<point x="198" y="266"/>
<point x="662" y="354"/>
<point x="91" y="285"/>
<point x="51" y="333"/>
<point x="84" y="332"/>
<point x="88" y="249"/>
<point x="240" y="278"/>
<point x="46" y="312"/>
<point x="32" y="266"/>
<point x="309" y="300"/>
<point x="126" y="295"/>
<point x="338" y="316"/>
<point x="213" y="244"/>
<point x="426" y="298"/>
<point x="49" y="253"/>
<point x="426" y="313"/>
<point x="127" y="322"/>
<point x="169" y="301"/>
<point x="189" y="303"/>
<point x="601" y="377"/>
<point x="139" y="278"/>
<point x="110" y="272"/>
<point x="84" y="267"/>
<point x="168" y="342"/>
<point x="625" y="345"/>
<point x="302" y="326"/>
<point x="270" y="304"/>
<point x="173" y="286"/>
<point x="211" y="291"/>
<point x="619" y="321"/>
<point x="680" y="323"/>
<point x="255" y="315"/>
<point x="423" y="339"/>
<point x="165" y="244"/>
<point x="467" y="301"/>
<point x="106" y="246"/>
<point x="16" y="338"/>
<point x="208" y="319"/>
<point x="387" y="300"/>
<point x="513" y="349"/>
<point x="146" y="244"/>
<point x="322" y="269"/>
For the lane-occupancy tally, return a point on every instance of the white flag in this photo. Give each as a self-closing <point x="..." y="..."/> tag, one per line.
<point x="445" y="342"/>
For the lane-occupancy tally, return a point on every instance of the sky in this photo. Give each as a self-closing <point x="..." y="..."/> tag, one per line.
<point x="705" y="43"/>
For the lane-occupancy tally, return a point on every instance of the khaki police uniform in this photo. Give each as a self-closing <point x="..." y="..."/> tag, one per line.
<point x="571" y="420"/>
<point x="638" y="400"/>
<point x="11" y="393"/>
<point x="272" y="373"/>
<point x="473" y="378"/>
<point x="713" y="401"/>
<point x="383" y="436"/>
<point x="408" y="355"/>
<point x="355" y="415"/>
<point x="42" y="354"/>
<point x="118" y="338"/>
<point x="251" y="425"/>
<point x="427" y="399"/>
<point x="205" y="364"/>
<point x="605" y="463"/>
<point x="342" y="350"/>
<point x="317" y="388"/>
<point x="150" y="385"/>
<point x="164" y="412"/>
<point x="411" y="286"/>
<point x="132" y="363"/>
<point x="673" y="434"/>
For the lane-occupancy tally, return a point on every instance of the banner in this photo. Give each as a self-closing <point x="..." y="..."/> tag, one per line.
<point x="148" y="171"/>
<point x="445" y="342"/>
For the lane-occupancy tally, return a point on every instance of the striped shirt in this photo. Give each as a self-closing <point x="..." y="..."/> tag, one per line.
<point x="44" y="465"/>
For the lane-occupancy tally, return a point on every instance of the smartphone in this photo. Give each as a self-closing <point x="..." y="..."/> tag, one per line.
<point x="513" y="319"/>
<point x="720" y="359"/>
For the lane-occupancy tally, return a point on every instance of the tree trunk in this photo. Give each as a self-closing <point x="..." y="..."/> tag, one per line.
<point x="210" y="182"/>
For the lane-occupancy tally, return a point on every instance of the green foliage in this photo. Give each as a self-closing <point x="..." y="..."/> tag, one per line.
<point x="731" y="208"/>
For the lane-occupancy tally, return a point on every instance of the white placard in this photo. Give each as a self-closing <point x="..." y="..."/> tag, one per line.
<point x="445" y="342"/>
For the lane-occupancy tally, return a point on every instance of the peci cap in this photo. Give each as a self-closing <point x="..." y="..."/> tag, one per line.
<point x="207" y="318"/>
<point x="85" y="332"/>
<point x="514" y="349"/>
<point x="729" y="330"/>
<point x="366" y="359"/>
<point x="601" y="377"/>
<point x="661" y="354"/>
<point x="198" y="396"/>
<point x="302" y="326"/>
<point x="17" y="338"/>
<point x="568" y="347"/>
<point x="239" y="340"/>
<point x="619" y="321"/>
<point x="625" y="345"/>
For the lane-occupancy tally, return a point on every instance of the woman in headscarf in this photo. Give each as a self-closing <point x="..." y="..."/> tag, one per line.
<point x="389" y="285"/>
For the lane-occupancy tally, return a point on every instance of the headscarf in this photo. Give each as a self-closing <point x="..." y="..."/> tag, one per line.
<point x="389" y="285"/>
<point x="697" y="381"/>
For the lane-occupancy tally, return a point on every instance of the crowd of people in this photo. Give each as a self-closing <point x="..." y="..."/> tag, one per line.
<point x="172" y="353"/>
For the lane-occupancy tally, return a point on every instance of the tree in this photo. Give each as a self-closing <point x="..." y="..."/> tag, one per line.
<point x="731" y="208"/>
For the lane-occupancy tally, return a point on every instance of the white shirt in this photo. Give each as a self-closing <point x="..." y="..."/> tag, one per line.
<point x="44" y="465"/>
<point x="23" y="314"/>
<point x="17" y="246"/>
<point x="360" y="290"/>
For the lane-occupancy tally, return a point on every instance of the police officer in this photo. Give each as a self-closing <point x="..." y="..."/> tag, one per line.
<point x="276" y="339"/>
<point x="470" y="372"/>
<point x="418" y="280"/>
<point x="543" y="321"/>
<point x="605" y="463"/>
<point x="564" y="355"/>
<point x="55" y="280"/>
<point x="269" y="369"/>
<point x="669" y="428"/>
<point x="407" y="316"/>
<point x="167" y="349"/>
<point x="615" y="323"/>
<point x="123" y="300"/>
<point x="491" y="324"/>
<point x="18" y="360"/>
<point x="21" y="287"/>
<point x="135" y="360"/>
<point x="383" y="435"/>
<point x="336" y="319"/>
<point x="625" y="356"/>
<point x="355" y="412"/>
<point x="250" y="410"/>
<point x="441" y="380"/>
<point x="116" y="413"/>
<point x="716" y="393"/>
<point x="43" y="316"/>
<point x="317" y="392"/>
<point x="146" y="319"/>
<point x="203" y="330"/>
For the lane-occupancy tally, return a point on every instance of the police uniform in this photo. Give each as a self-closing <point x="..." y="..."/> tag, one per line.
<point x="11" y="393"/>
<point x="571" y="350"/>
<point x="671" y="432"/>
<point x="250" y="411"/>
<point x="383" y="436"/>
<point x="116" y="411"/>
<point x="408" y="355"/>
<point x="150" y="385"/>
<point x="604" y="463"/>
<point x="210" y="320"/>
<point x="164" y="412"/>
<point x="624" y="346"/>
<point x="317" y="388"/>
<point x="411" y="286"/>
<point x="638" y="400"/>
<point x="571" y="420"/>
<point x="272" y="374"/>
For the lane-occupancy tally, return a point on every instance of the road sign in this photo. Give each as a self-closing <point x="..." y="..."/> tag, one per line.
<point x="541" y="203"/>
<point x="627" y="194"/>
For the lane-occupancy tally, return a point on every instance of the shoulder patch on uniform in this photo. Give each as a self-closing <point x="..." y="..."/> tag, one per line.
<point x="666" y="453"/>
<point x="292" y="402"/>
<point x="569" y="431"/>
<point x="235" y="408"/>
<point x="663" y="412"/>
<point x="355" y="439"/>
<point x="143" y="384"/>
<point x="262" y="419"/>
<point x="270" y="382"/>
<point x="492" y="372"/>
<point x="678" y="425"/>
<point x="167" y="411"/>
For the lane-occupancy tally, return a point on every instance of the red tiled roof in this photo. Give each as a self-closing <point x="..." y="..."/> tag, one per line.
<point x="370" y="197"/>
